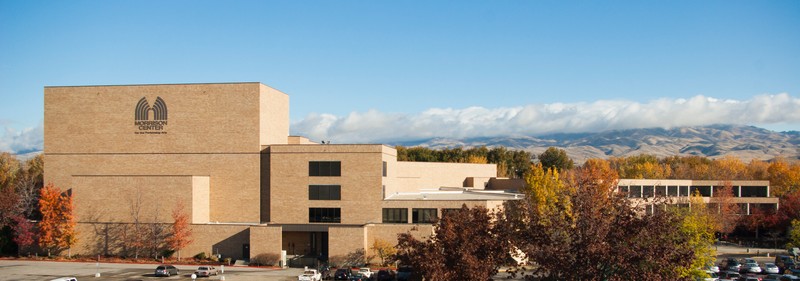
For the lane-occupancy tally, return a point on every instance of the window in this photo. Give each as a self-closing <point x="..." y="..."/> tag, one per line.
<point x="324" y="192"/>
<point x="672" y="190"/>
<point x="635" y="192"/>
<point x="648" y="191"/>
<point x="395" y="215"/>
<point x="333" y="215"/>
<point x="423" y="215"/>
<point x="384" y="168"/>
<point x="324" y="168"/>
<point x="705" y="191"/>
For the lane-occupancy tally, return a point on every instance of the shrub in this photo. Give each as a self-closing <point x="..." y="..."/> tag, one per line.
<point x="265" y="259"/>
<point x="200" y="256"/>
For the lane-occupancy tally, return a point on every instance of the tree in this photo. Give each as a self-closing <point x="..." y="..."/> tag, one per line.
<point x="24" y="233"/>
<point x="727" y="216"/>
<point x="467" y="245"/>
<point x="9" y="169"/>
<point x="595" y="229"/>
<point x="794" y="235"/>
<point x="57" y="228"/>
<point x="384" y="250"/>
<point x="556" y="159"/>
<point x="698" y="225"/>
<point x="181" y="232"/>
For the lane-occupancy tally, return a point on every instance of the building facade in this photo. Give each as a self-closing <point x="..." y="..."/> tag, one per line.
<point x="130" y="155"/>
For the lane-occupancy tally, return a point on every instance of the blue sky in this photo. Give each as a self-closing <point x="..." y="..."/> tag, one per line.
<point x="376" y="71"/>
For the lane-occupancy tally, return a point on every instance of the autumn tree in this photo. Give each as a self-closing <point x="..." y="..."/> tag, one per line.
<point x="467" y="245"/>
<point x="794" y="235"/>
<point x="698" y="226"/>
<point x="555" y="158"/>
<point x="57" y="227"/>
<point x="24" y="233"/>
<point x="384" y="250"/>
<point x="727" y="214"/>
<point x="181" y="232"/>
<point x="643" y="166"/>
<point x="596" y="229"/>
<point x="784" y="177"/>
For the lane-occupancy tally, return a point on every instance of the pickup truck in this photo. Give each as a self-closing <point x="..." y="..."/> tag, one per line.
<point x="310" y="275"/>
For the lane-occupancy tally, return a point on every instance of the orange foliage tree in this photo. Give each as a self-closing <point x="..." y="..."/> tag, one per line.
<point x="181" y="235"/>
<point x="57" y="228"/>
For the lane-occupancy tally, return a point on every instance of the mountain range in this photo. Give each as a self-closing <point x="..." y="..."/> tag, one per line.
<point x="714" y="141"/>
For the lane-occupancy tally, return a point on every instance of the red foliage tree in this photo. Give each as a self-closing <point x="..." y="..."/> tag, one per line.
<point x="24" y="233"/>
<point x="181" y="232"/>
<point x="467" y="245"/>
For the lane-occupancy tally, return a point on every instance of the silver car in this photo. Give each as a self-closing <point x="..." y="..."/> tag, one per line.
<point x="750" y="267"/>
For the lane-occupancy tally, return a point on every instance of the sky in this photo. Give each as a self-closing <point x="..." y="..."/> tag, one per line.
<point x="384" y="71"/>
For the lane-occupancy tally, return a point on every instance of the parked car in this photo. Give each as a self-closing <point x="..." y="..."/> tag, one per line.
<point x="772" y="277"/>
<point x="771" y="268"/>
<point x="206" y="271"/>
<point x="750" y="267"/>
<point x="385" y="275"/>
<point x="784" y="262"/>
<point x="166" y="270"/>
<point x="310" y="275"/>
<point x="65" y="279"/>
<point x="731" y="264"/>
<point x="366" y="272"/>
<point x="730" y="275"/>
<point x="357" y="276"/>
<point x="712" y="276"/>
<point x="789" y="278"/>
<point x="343" y="274"/>
<point x="712" y="267"/>
<point x="748" y="278"/>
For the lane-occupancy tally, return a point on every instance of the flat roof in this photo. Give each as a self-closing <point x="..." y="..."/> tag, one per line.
<point x="455" y="195"/>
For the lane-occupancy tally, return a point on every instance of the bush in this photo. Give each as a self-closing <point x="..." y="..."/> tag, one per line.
<point x="265" y="259"/>
<point x="200" y="256"/>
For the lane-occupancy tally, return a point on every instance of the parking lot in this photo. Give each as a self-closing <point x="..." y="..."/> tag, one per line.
<point x="47" y="270"/>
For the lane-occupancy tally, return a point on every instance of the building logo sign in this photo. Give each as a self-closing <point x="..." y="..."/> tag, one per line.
<point x="143" y="122"/>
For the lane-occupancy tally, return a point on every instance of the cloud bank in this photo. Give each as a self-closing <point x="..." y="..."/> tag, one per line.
<point x="530" y="120"/>
<point x="542" y="119"/>
<point x="22" y="141"/>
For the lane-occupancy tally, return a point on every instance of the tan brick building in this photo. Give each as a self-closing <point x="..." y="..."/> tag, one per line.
<point x="134" y="153"/>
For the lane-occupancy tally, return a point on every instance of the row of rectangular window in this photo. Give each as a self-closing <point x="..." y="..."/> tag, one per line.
<point x="647" y="191"/>
<point x="418" y="215"/>
<point x="331" y="169"/>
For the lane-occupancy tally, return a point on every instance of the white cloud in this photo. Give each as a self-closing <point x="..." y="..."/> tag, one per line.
<point x="540" y="119"/>
<point x="22" y="141"/>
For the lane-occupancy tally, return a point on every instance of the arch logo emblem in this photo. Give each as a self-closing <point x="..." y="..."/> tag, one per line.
<point x="147" y="125"/>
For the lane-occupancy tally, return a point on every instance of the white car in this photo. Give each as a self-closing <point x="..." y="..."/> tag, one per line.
<point x="365" y="271"/>
<point x="206" y="271"/>
<point x="310" y="275"/>
<point x="771" y="268"/>
<point x="750" y="267"/>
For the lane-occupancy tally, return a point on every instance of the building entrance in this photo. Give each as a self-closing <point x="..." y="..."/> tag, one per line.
<point x="305" y="248"/>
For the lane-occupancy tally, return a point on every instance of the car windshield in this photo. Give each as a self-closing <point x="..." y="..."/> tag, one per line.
<point x="160" y="267"/>
<point x="203" y="268"/>
<point x="309" y="272"/>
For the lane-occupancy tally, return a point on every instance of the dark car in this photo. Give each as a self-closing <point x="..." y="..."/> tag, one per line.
<point x="784" y="263"/>
<point x="343" y="274"/>
<point x="731" y="264"/>
<point x="357" y="276"/>
<point x="166" y="270"/>
<point x="385" y="275"/>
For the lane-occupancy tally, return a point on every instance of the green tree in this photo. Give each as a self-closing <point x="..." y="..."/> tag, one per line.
<point x="555" y="158"/>
<point x="794" y="235"/>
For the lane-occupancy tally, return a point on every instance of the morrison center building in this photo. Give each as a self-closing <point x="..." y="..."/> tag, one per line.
<point x="132" y="154"/>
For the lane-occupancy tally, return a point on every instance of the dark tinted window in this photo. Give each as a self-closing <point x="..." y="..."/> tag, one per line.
<point x="332" y="215"/>
<point x="423" y="215"/>
<point x="324" y="168"/>
<point x="395" y="215"/>
<point x="324" y="192"/>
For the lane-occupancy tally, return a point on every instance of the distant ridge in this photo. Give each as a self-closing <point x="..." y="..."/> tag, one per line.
<point x="714" y="141"/>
